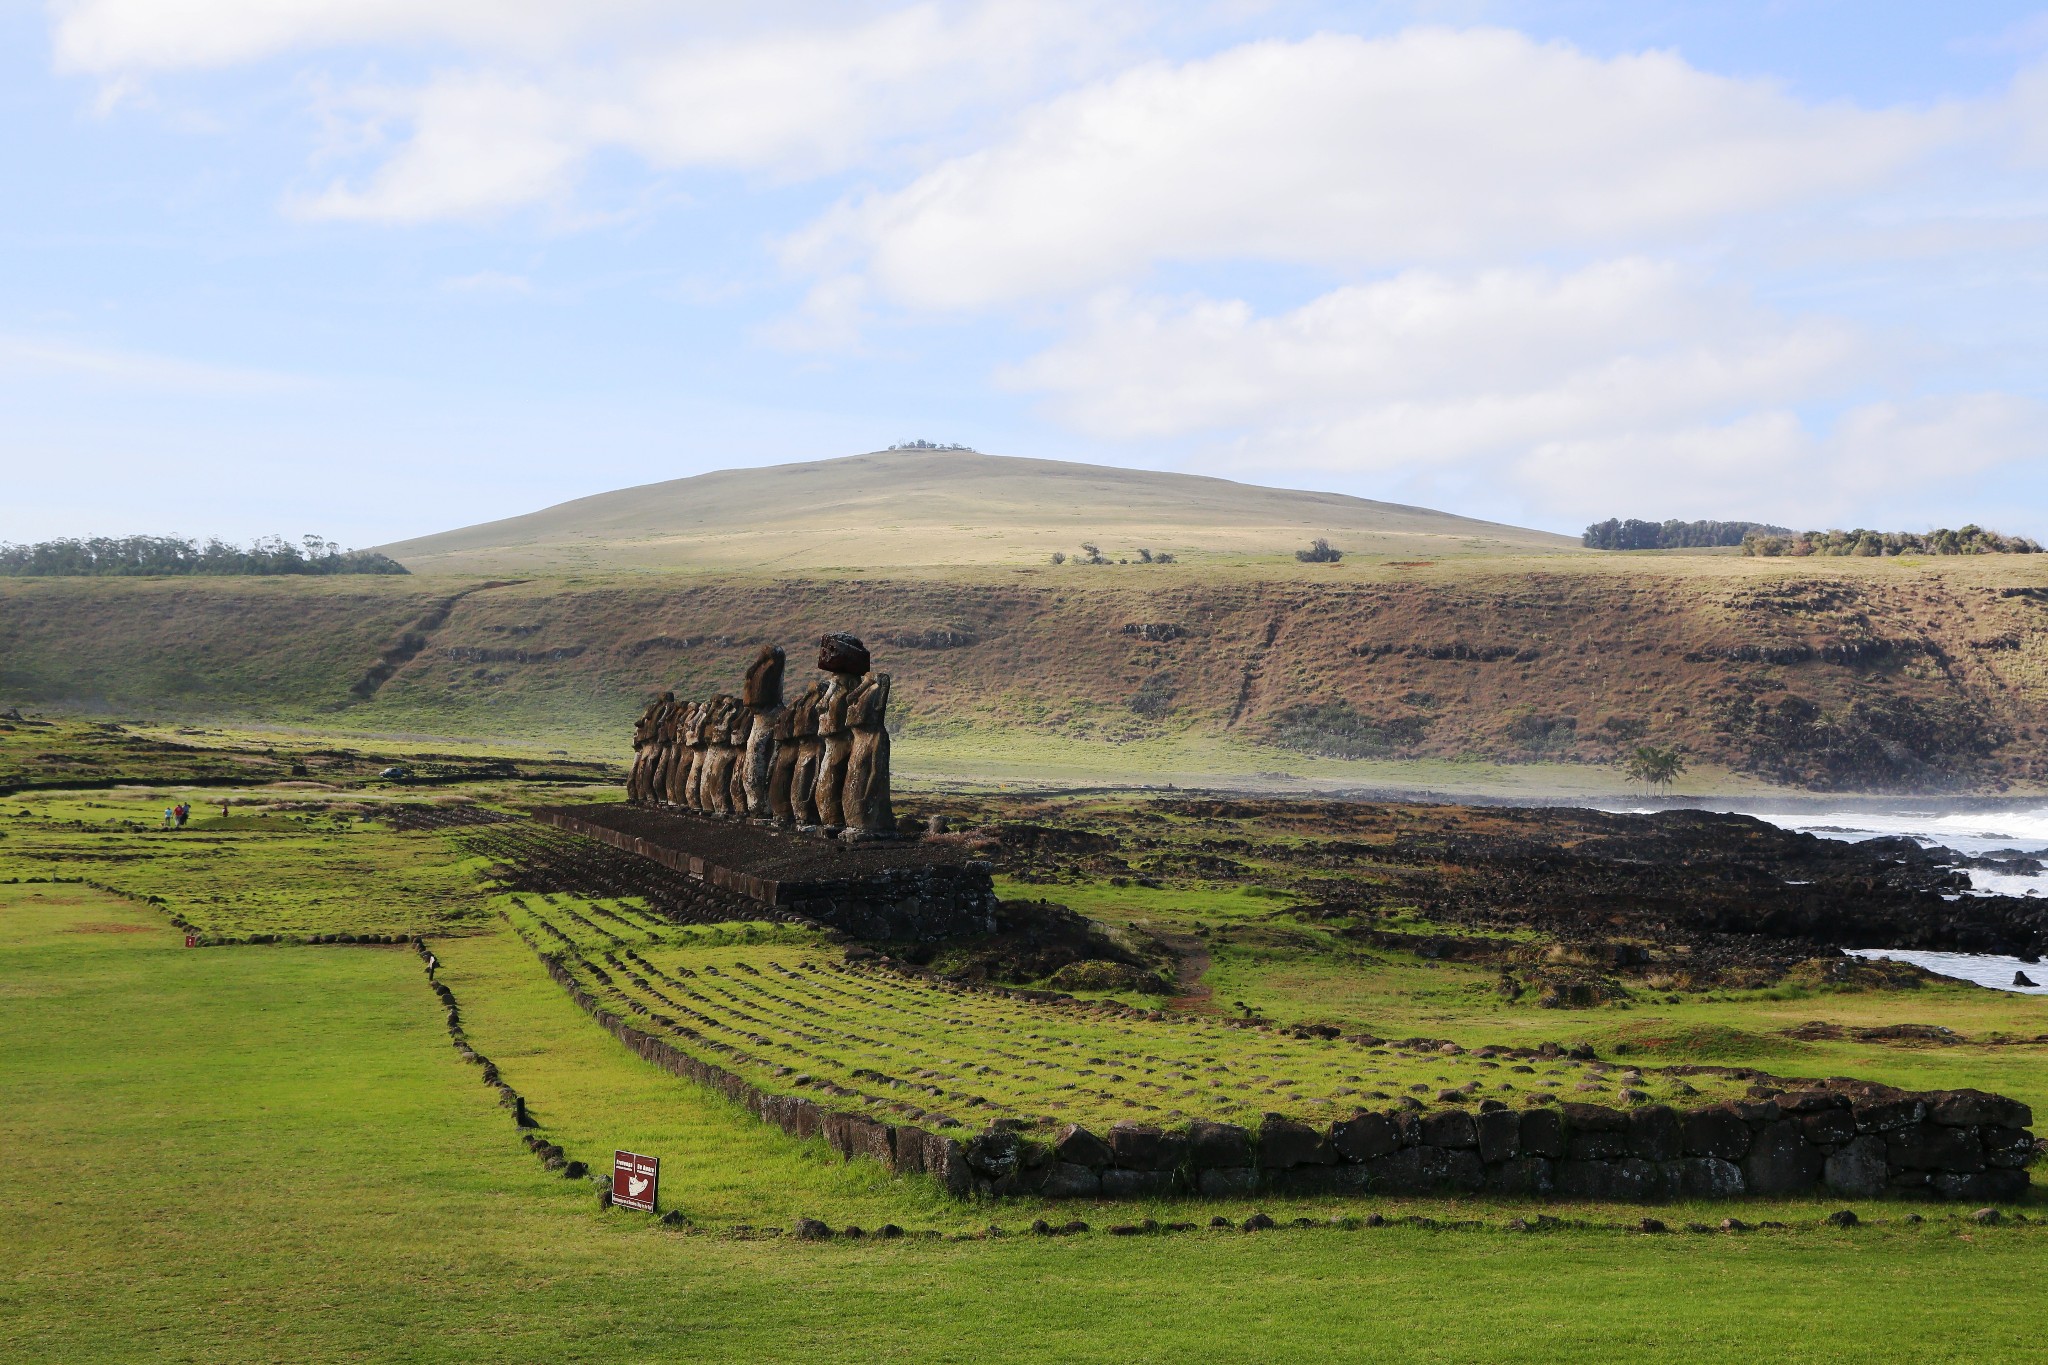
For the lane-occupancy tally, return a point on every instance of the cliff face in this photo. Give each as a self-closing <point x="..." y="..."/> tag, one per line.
<point x="1855" y="675"/>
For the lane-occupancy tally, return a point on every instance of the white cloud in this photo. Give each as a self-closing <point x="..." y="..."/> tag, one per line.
<point x="1428" y="367"/>
<point x="479" y="144"/>
<point x="1930" y="454"/>
<point x="1628" y="383"/>
<point x="1434" y="145"/>
<point x="537" y="87"/>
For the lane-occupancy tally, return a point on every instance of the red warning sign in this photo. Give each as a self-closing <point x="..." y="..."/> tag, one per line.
<point x="636" y="1180"/>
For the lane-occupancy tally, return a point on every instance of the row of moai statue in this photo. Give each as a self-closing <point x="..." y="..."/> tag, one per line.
<point x="820" y="760"/>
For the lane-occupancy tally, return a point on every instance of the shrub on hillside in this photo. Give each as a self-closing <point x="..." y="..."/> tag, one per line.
<point x="1969" y="540"/>
<point x="1320" y="551"/>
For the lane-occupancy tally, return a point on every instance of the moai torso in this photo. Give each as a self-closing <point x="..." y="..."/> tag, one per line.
<point x="836" y="745"/>
<point x="764" y="708"/>
<point x="810" y="756"/>
<point x="864" y="800"/>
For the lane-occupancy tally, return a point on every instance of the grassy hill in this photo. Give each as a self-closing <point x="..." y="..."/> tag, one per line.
<point x="902" y="508"/>
<point x="1458" y="674"/>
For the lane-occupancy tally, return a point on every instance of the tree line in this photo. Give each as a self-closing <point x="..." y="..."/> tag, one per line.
<point x="121" y="556"/>
<point x="1968" y="540"/>
<point x="1636" y="534"/>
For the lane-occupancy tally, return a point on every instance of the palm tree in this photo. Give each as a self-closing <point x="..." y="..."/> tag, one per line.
<point x="1654" y="766"/>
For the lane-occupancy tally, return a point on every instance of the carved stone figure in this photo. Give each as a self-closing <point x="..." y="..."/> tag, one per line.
<point x="728" y="738"/>
<point x="683" y="757"/>
<point x="810" y="757"/>
<point x="782" y="767"/>
<point x="695" y="731"/>
<point x="640" y="779"/>
<point x="763" y="697"/>
<point x="864" y="801"/>
<point x="661" y="719"/>
<point x="837" y="743"/>
<point x="821" y="759"/>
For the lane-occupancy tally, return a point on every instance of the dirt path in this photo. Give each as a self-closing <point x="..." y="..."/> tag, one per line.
<point x="1191" y="962"/>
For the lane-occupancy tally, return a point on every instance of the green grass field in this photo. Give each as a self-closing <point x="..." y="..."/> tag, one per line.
<point x="271" y="1151"/>
<point x="272" y="1154"/>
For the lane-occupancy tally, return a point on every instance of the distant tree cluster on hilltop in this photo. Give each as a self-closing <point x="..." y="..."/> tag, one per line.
<point x="1636" y="534"/>
<point x="116" y="556"/>
<point x="1970" y="540"/>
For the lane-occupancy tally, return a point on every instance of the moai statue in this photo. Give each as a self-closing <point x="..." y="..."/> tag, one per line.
<point x="736" y="776"/>
<point x="661" y="752"/>
<point x="640" y="778"/>
<point x="810" y="756"/>
<point x="683" y="764"/>
<point x="763" y="697"/>
<point x="864" y="802"/>
<point x="782" y="768"/>
<point x="845" y="660"/>
<point x="703" y="739"/>
<point x="715" y="790"/>
<point x="699" y="741"/>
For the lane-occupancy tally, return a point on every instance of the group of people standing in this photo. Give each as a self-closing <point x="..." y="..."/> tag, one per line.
<point x="820" y="760"/>
<point x="176" y="816"/>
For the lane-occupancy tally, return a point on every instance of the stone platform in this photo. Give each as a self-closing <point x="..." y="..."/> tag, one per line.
<point x="887" y="891"/>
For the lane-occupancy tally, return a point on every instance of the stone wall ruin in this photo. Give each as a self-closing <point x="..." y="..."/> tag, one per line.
<point x="1819" y="1137"/>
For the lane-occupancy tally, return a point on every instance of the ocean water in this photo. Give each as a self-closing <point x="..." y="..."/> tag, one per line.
<point x="1972" y="832"/>
<point x="1986" y="969"/>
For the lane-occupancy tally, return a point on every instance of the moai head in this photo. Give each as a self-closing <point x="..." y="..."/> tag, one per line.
<point x="870" y="705"/>
<point x="738" y="720"/>
<point x="844" y="654"/>
<point x="764" y="680"/>
<point x="806" y="710"/>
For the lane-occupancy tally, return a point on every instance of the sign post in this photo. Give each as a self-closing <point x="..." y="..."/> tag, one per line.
<point x="636" y="1181"/>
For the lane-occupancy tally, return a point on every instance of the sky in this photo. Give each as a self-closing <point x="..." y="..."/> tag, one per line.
<point x="376" y="268"/>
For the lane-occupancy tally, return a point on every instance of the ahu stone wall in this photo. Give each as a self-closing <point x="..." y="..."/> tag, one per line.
<point x="1846" y="1138"/>
<point x="1869" y="1142"/>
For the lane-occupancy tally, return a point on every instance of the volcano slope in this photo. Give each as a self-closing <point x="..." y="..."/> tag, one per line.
<point x="1455" y="674"/>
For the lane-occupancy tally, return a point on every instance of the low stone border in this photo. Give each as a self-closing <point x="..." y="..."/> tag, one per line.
<point x="817" y="1230"/>
<point x="551" y="1154"/>
<point x="1847" y="1137"/>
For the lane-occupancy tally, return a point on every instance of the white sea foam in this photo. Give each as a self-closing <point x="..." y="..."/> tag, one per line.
<point x="1985" y="969"/>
